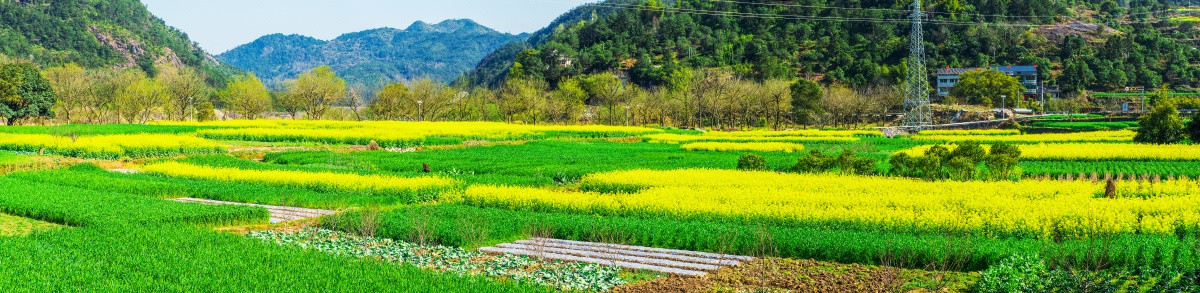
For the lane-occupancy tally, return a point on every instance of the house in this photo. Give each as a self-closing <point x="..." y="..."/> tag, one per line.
<point x="1027" y="74"/>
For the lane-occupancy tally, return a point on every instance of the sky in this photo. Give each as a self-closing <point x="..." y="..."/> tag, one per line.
<point x="221" y="25"/>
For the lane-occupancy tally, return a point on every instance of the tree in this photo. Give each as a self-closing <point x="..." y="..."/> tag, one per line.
<point x="1193" y="128"/>
<point x="806" y="101"/>
<point x="522" y="100"/>
<point x="138" y="100"/>
<point x="205" y="111"/>
<point x="566" y="102"/>
<point x="317" y="90"/>
<point x="388" y="102"/>
<point x="247" y="96"/>
<point x="429" y="100"/>
<point x="106" y="87"/>
<point x="606" y="90"/>
<point x="1161" y="126"/>
<point x="71" y="85"/>
<point x="1076" y="76"/>
<point x="24" y="93"/>
<point x="985" y="87"/>
<point x="186" y="88"/>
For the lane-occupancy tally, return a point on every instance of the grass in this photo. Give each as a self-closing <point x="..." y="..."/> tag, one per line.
<point x="1162" y="168"/>
<point x="12" y="159"/>
<point x="18" y="226"/>
<point x="81" y="207"/>
<point x="1088" y="126"/>
<point x="188" y="259"/>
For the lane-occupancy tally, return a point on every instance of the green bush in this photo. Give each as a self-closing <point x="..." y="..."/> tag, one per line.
<point x="1193" y="128"/>
<point x="966" y="162"/>
<point x="1019" y="273"/>
<point x="845" y="163"/>
<point x="751" y="162"/>
<point x="1162" y="126"/>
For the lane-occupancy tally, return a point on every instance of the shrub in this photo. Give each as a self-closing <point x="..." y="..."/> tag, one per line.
<point x="751" y="162"/>
<point x="846" y="163"/>
<point x="1001" y="160"/>
<point x="1193" y="128"/>
<point x="1162" y="126"/>
<point x="1019" y="273"/>
<point x="813" y="162"/>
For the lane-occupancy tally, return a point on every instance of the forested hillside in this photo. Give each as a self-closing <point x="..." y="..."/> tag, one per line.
<point x="863" y="43"/>
<point x="374" y="57"/>
<point x="96" y="34"/>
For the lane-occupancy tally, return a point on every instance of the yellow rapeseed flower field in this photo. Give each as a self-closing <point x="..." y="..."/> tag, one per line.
<point x="1023" y="209"/>
<point x="325" y="181"/>
<point x="395" y="133"/>
<point x="743" y="146"/>
<point x="110" y="146"/>
<point x="1095" y="151"/>
<point x="684" y="138"/>
<point x="1097" y="136"/>
<point x="971" y="132"/>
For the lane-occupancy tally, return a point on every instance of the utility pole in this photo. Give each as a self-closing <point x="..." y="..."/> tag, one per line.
<point x="917" y="113"/>
<point x="420" y="110"/>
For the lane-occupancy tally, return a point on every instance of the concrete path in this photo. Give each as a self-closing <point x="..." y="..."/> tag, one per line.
<point x="279" y="214"/>
<point x="672" y="261"/>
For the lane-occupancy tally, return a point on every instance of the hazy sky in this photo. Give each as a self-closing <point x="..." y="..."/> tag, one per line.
<point x="220" y="25"/>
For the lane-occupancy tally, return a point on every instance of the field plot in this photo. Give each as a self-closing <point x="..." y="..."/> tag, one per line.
<point x="1095" y="152"/>
<point x="1099" y="136"/>
<point x="745" y="146"/>
<point x="1024" y="209"/>
<point x="110" y="146"/>
<point x="411" y="189"/>
<point x="18" y="226"/>
<point x="400" y="134"/>
<point x="651" y="205"/>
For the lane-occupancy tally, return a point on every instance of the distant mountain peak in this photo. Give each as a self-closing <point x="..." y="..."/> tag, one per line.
<point x="450" y="26"/>
<point x="370" y="57"/>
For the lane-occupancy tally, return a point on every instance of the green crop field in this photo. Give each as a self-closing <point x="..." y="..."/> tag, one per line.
<point x="84" y="227"/>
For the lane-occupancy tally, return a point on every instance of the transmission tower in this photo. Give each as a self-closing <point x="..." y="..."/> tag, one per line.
<point x="917" y="113"/>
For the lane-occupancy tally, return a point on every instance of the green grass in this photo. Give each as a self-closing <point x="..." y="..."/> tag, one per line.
<point x="187" y="259"/>
<point x="81" y="207"/>
<point x="1162" y="168"/>
<point x="1071" y="116"/>
<point x="18" y="226"/>
<point x="86" y="176"/>
<point x="461" y="225"/>
<point x="7" y="158"/>
<point x="1088" y="126"/>
<point x="543" y="163"/>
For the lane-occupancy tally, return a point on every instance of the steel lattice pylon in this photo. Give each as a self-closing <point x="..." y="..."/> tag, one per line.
<point x="917" y="113"/>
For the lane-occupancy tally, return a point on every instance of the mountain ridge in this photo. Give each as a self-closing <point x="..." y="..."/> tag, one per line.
<point x="373" y="57"/>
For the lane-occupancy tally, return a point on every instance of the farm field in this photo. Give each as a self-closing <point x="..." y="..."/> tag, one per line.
<point x="412" y="207"/>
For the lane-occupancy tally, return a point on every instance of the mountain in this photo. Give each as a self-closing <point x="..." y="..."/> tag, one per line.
<point x="370" y="58"/>
<point x="91" y="33"/>
<point x="1140" y="42"/>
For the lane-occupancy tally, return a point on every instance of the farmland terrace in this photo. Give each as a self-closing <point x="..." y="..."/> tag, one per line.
<point x="270" y="205"/>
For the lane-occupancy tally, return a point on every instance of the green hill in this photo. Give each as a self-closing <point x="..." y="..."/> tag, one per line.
<point x="862" y="42"/>
<point x="95" y="33"/>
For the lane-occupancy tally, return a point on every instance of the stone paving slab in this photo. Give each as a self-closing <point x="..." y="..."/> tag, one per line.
<point x="672" y="261"/>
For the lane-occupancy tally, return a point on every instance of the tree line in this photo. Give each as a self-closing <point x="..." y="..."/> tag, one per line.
<point x="712" y="98"/>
